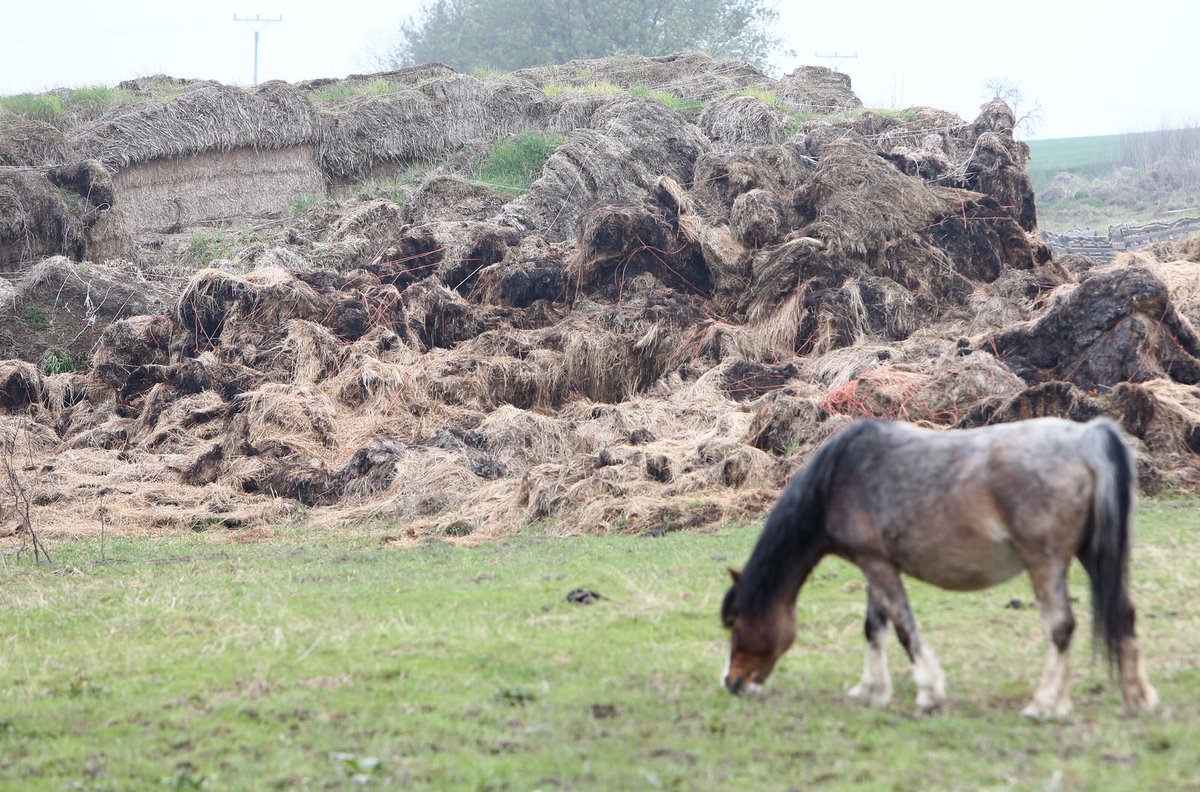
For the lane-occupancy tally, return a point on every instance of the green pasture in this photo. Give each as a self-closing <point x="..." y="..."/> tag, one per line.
<point x="311" y="660"/>
<point x="1088" y="157"/>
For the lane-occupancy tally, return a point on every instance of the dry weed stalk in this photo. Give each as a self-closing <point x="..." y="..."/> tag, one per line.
<point x="18" y="491"/>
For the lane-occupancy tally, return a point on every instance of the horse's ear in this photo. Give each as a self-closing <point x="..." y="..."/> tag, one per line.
<point x="736" y="575"/>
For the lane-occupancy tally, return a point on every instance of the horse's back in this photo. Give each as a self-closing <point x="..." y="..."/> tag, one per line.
<point x="961" y="509"/>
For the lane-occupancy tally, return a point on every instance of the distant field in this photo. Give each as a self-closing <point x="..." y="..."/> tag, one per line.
<point x="306" y="660"/>
<point x="1088" y="157"/>
<point x="1119" y="179"/>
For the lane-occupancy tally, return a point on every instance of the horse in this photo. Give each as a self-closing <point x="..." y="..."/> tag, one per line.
<point x="962" y="510"/>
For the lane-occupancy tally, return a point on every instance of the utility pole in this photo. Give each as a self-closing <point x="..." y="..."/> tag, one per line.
<point x="261" y="23"/>
<point x="835" y="58"/>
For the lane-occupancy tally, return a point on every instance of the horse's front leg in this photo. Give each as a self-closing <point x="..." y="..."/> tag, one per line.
<point x="1052" y="698"/>
<point x="884" y="581"/>
<point x="876" y="685"/>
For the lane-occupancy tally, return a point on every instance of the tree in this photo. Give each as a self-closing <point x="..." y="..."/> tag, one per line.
<point x="1028" y="118"/>
<point x="514" y="34"/>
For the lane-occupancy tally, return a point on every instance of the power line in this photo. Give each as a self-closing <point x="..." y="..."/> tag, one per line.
<point x="262" y="23"/>
<point x="835" y="58"/>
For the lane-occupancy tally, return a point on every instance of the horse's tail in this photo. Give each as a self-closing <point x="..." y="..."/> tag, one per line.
<point x="1109" y="528"/>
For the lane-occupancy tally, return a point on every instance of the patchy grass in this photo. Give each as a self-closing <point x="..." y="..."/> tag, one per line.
<point x="684" y="106"/>
<point x="57" y="361"/>
<point x="64" y="106"/>
<point x="903" y="116"/>
<point x="205" y="245"/>
<point x="298" y="203"/>
<point x="515" y="163"/>
<point x="340" y="92"/>
<point x="553" y="89"/>
<point x="313" y="659"/>
<point x="36" y="319"/>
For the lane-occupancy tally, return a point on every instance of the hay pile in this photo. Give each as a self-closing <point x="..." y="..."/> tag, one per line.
<point x="651" y="339"/>
<point x="64" y="209"/>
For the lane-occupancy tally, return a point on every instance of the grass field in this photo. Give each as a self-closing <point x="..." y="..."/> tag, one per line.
<point x="306" y="660"/>
<point x="1088" y="157"/>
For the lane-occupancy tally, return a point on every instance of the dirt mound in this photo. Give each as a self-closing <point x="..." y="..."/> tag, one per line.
<point x="651" y="338"/>
<point x="55" y="210"/>
<point x="1117" y="325"/>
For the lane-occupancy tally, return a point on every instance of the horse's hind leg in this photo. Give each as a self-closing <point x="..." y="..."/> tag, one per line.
<point x="1137" y="694"/>
<point x="884" y="581"/>
<point x="1052" y="698"/>
<point x="876" y="685"/>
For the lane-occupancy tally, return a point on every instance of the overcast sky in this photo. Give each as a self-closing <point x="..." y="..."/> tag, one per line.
<point x="1096" y="68"/>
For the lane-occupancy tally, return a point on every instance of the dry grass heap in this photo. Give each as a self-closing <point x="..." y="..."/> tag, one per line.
<point x="652" y="338"/>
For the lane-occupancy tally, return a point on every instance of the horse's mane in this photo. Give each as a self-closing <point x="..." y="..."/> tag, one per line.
<point x="796" y="522"/>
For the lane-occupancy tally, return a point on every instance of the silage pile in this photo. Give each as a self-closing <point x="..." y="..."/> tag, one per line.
<point x="652" y="338"/>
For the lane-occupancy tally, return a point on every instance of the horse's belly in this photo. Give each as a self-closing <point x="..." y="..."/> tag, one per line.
<point x="966" y="565"/>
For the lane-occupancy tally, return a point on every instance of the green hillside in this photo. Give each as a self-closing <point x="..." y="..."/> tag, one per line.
<point x="1088" y="157"/>
<point x="1116" y="179"/>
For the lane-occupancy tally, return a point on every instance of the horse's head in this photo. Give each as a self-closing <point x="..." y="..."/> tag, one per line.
<point x="756" y="642"/>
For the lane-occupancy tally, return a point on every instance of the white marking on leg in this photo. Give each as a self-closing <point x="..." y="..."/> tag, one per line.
<point x="876" y="685"/>
<point x="1137" y="694"/>
<point x="1052" y="697"/>
<point x="930" y="680"/>
<point x="725" y="671"/>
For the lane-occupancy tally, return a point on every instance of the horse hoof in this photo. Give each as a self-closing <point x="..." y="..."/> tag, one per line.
<point x="1145" y="702"/>
<point x="927" y="710"/>
<point x="871" y="695"/>
<point x="1039" y="712"/>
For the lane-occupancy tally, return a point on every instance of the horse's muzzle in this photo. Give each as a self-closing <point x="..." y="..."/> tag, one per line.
<point x="741" y="687"/>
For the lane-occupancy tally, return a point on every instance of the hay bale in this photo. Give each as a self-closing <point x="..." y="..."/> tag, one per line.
<point x="693" y="75"/>
<point x="1118" y="325"/>
<point x="424" y="123"/>
<point x="536" y="273"/>
<point x="817" y="89"/>
<point x="616" y="243"/>
<point x="736" y="122"/>
<point x="25" y="142"/>
<point x="267" y="297"/>
<point x="36" y="220"/>
<point x="1171" y="264"/>
<point x="62" y="308"/>
<point x="632" y="144"/>
<point x="206" y="117"/>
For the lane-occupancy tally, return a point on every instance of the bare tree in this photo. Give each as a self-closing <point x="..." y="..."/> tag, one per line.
<point x="1028" y="117"/>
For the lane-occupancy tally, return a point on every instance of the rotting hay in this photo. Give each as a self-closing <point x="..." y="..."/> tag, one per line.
<point x="652" y="339"/>
<point x="630" y="145"/>
<point x="206" y="117"/>
<point x="736" y="122"/>
<point x="1117" y="325"/>
<point x="26" y="142"/>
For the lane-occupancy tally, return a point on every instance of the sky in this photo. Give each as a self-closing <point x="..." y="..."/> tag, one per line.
<point x="1101" y="67"/>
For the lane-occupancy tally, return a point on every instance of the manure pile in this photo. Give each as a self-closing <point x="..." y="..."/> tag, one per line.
<point x="650" y="339"/>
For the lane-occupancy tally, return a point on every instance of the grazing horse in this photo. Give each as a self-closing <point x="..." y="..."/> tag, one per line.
<point x="962" y="510"/>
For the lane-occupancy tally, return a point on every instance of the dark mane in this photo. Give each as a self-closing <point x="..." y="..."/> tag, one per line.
<point x="794" y="525"/>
